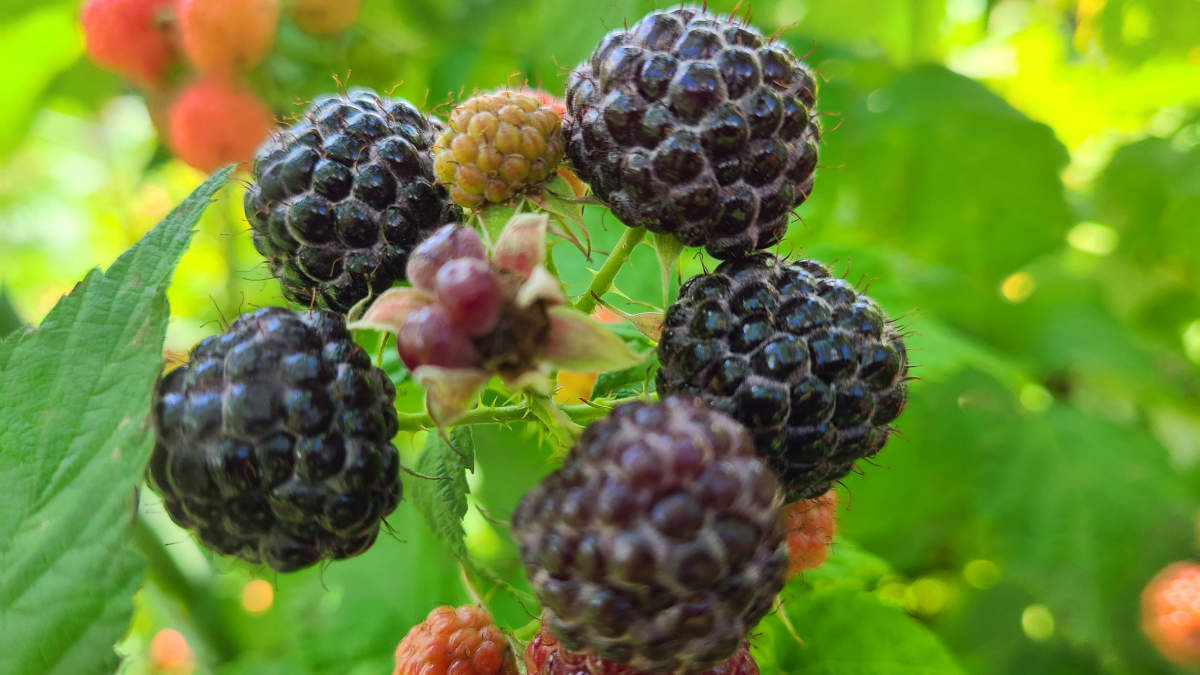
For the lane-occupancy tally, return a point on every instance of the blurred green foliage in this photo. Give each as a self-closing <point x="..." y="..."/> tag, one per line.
<point x="1020" y="179"/>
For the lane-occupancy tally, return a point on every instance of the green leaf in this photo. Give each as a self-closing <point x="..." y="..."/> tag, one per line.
<point x="944" y="171"/>
<point x="906" y="31"/>
<point x="1085" y="544"/>
<point x="558" y="200"/>
<point x="9" y="319"/>
<point x="622" y="383"/>
<point x="73" y="445"/>
<point x="45" y="42"/>
<point x="1149" y="193"/>
<point x="1136" y="32"/>
<point x="443" y="501"/>
<point x="848" y="632"/>
<point x="379" y="596"/>
<point x="848" y="566"/>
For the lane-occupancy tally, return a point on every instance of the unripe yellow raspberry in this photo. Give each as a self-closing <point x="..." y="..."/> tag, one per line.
<point x="497" y="146"/>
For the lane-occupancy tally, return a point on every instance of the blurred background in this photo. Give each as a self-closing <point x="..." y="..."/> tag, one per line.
<point x="1020" y="179"/>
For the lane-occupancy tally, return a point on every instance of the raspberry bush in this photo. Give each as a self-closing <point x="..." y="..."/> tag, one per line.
<point x="515" y="339"/>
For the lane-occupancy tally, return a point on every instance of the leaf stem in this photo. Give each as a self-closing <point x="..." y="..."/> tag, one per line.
<point x="580" y="413"/>
<point x="469" y="585"/>
<point x="603" y="280"/>
<point x="229" y="236"/>
<point x="197" y="601"/>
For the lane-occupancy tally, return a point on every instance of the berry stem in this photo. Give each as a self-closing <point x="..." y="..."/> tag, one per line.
<point x="231" y="236"/>
<point x="197" y="601"/>
<point x="525" y="633"/>
<point x="564" y="429"/>
<point x="603" y="280"/>
<point x="581" y="413"/>
<point x="470" y="587"/>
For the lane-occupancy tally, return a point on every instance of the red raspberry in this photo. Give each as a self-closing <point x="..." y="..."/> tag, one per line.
<point x="545" y="656"/>
<point x="223" y="36"/>
<point x="810" y="527"/>
<point x="1171" y="612"/>
<point x="451" y="641"/>
<point x="130" y="37"/>
<point x="214" y="123"/>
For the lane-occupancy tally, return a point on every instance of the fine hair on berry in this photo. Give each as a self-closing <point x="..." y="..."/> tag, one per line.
<point x="695" y="124"/>
<point x="811" y="366"/>
<point x="497" y="146"/>
<point x="339" y="199"/>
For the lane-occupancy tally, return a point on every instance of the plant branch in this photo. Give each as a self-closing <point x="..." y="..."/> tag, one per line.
<point x="603" y="280"/>
<point x="581" y="413"/>
<point x="561" y="427"/>
<point x="198" y="602"/>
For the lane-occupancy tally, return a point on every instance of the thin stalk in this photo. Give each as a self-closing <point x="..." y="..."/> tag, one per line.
<point x="229" y="236"/>
<point x="580" y="413"/>
<point x="197" y="601"/>
<point x="470" y="587"/>
<point x="525" y="633"/>
<point x="560" y="426"/>
<point x="603" y="280"/>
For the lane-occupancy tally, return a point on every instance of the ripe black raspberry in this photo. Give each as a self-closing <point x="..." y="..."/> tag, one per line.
<point x="274" y="442"/>
<point x="658" y="544"/>
<point x="545" y="656"/>
<point x="340" y="198"/>
<point x="695" y="124"/>
<point x="812" y="367"/>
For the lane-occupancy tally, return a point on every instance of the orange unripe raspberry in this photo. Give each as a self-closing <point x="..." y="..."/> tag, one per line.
<point x="324" y="17"/>
<point x="497" y="146"/>
<point x="451" y="641"/>
<point x="130" y="37"/>
<point x="810" y="527"/>
<point x="1171" y="612"/>
<point x="214" y="123"/>
<point x="224" y="36"/>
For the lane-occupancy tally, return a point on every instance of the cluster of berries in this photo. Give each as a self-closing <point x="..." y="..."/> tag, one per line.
<point x="188" y="58"/>
<point x="665" y="535"/>
<point x="465" y="641"/>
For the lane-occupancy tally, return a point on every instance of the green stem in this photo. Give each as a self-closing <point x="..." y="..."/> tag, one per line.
<point x="525" y="633"/>
<point x="548" y="263"/>
<point x="470" y="587"/>
<point x="197" y="601"/>
<point x="564" y="429"/>
<point x="603" y="280"/>
<point x="580" y="413"/>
